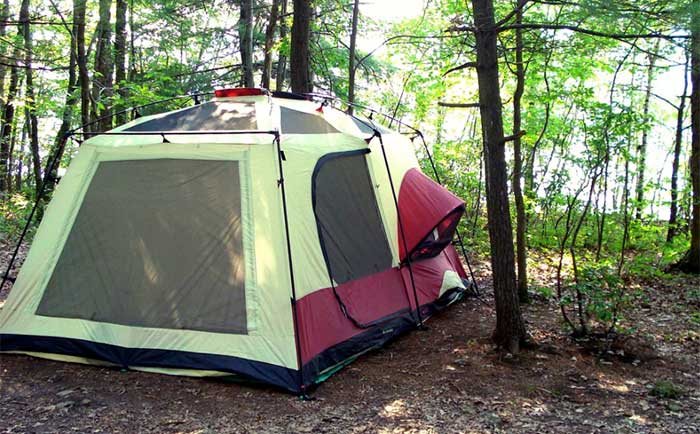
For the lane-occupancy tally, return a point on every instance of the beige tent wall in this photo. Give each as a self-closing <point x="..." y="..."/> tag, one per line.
<point x="270" y="335"/>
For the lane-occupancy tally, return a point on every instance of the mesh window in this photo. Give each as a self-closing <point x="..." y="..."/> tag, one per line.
<point x="214" y="115"/>
<point x="296" y="122"/>
<point x="156" y="243"/>
<point x="349" y="224"/>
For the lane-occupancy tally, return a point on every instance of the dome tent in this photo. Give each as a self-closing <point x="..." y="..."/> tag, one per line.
<point x="268" y="236"/>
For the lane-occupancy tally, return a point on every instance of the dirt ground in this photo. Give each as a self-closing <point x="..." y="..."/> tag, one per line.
<point x="446" y="379"/>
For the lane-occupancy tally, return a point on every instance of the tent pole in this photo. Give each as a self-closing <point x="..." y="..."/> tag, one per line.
<point x="403" y="234"/>
<point x="280" y="183"/>
<point x="457" y="232"/>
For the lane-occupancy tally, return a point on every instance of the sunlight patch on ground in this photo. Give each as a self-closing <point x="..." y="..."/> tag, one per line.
<point x="613" y="386"/>
<point x="639" y="419"/>
<point x="395" y="409"/>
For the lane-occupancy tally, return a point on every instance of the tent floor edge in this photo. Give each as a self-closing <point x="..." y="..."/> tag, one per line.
<point x="319" y="369"/>
<point x="133" y="358"/>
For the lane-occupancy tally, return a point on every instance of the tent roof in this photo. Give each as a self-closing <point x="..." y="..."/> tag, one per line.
<point x="255" y="113"/>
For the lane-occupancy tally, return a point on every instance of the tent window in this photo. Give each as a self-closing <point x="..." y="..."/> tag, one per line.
<point x="296" y="122"/>
<point x="156" y="243"/>
<point x="350" y="227"/>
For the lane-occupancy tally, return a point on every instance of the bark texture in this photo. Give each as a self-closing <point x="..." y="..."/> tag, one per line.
<point x="30" y="97"/>
<point x="282" y="60"/>
<point x="269" y="42"/>
<point x="104" y="69"/>
<point x="521" y="221"/>
<point x="692" y="259"/>
<point x="351" y="60"/>
<point x="678" y="145"/>
<point x="510" y="329"/>
<point x="300" y="71"/>
<point x="245" y="34"/>
<point x="120" y="58"/>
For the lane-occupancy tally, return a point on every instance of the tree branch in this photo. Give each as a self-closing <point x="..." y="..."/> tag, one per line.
<point x="460" y="67"/>
<point x="458" y="104"/>
<point x="542" y="26"/>
<point x="511" y="14"/>
<point x="512" y="137"/>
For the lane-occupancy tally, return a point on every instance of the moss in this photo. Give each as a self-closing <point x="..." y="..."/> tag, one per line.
<point x="666" y="389"/>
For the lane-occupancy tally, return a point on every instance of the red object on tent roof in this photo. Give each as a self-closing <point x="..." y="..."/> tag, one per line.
<point x="239" y="91"/>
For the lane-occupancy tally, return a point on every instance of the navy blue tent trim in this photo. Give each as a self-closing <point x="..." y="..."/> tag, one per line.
<point x="154" y="358"/>
<point x="316" y="370"/>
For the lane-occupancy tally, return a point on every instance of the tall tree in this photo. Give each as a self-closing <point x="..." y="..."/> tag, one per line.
<point x="269" y="42"/>
<point x="642" y="147"/>
<point x="245" y="34"/>
<point x="8" y="115"/>
<point x="692" y="260"/>
<point x="300" y="71"/>
<point x="30" y="97"/>
<point x="120" y="57"/>
<point x="520" y="230"/>
<point x="351" y="60"/>
<point x="510" y="330"/>
<point x="282" y="59"/>
<point x="4" y="18"/>
<point x="104" y="68"/>
<point x="79" y="7"/>
<point x="677" y="147"/>
<point x="68" y="109"/>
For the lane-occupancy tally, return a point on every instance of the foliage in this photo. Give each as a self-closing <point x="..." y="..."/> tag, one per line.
<point x="14" y="212"/>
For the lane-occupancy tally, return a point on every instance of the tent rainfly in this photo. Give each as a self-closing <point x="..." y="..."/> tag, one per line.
<point x="261" y="235"/>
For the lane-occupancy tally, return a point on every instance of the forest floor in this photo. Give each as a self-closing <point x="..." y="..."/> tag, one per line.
<point x="449" y="378"/>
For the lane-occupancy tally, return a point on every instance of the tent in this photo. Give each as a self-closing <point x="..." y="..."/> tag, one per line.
<point x="263" y="235"/>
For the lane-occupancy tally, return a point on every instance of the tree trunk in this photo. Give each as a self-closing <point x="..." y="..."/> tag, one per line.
<point x="20" y="156"/>
<point x="269" y="42"/>
<point x="642" y="148"/>
<point x="30" y="98"/>
<point x="673" y="218"/>
<point x="521" y="228"/>
<point x="301" y="30"/>
<point x="282" y="60"/>
<point x="120" y="59"/>
<point x="245" y="34"/>
<point x="692" y="259"/>
<point x="71" y="100"/>
<point x="102" y="80"/>
<point x="351" y="62"/>
<point x="8" y="115"/>
<point x="4" y="18"/>
<point x="79" y="7"/>
<point x="510" y="328"/>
